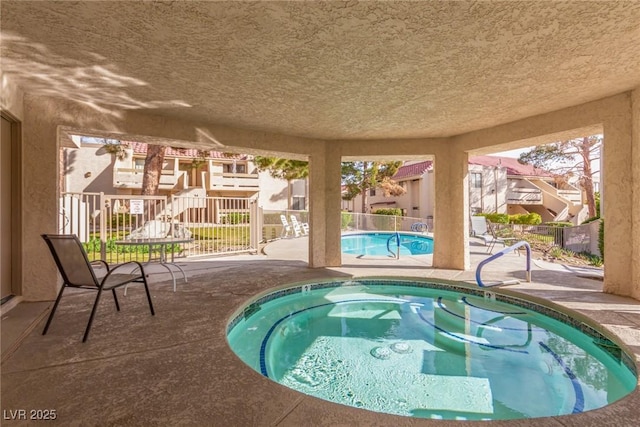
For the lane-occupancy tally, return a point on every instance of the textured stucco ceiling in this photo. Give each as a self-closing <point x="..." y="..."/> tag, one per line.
<point x="328" y="69"/>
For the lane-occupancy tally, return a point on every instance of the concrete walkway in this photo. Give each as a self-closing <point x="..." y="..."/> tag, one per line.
<point x="175" y="368"/>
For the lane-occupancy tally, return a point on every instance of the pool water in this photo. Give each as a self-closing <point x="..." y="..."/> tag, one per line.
<point x="429" y="353"/>
<point x="378" y="244"/>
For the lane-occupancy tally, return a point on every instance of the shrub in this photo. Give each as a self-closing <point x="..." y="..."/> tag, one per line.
<point x="588" y="220"/>
<point x="389" y="211"/>
<point x="347" y="217"/>
<point x="601" y="239"/>
<point x="500" y="218"/>
<point x="236" y="218"/>
<point x="559" y="224"/>
<point x="120" y="219"/>
<point x="496" y="218"/>
<point x="556" y="252"/>
<point x="386" y="223"/>
<point x="528" y="219"/>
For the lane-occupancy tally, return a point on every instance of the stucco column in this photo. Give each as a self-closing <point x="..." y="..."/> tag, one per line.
<point x="635" y="202"/>
<point x="39" y="198"/>
<point x="324" y="207"/>
<point x="451" y="223"/>
<point x="621" y="199"/>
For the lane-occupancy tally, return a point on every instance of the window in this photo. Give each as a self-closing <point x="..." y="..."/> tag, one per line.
<point x="90" y="140"/>
<point x="138" y="163"/>
<point x="372" y="191"/>
<point x="298" y="203"/>
<point x="476" y="180"/>
<point x="234" y="168"/>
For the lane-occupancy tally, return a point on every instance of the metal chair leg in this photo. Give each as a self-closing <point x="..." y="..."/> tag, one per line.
<point x="491" y="245"/>
<point x="146" y="289"/>
<point x="93" y="313"/>
<point x="53" y="310"/>
<point x="115" y="298"/>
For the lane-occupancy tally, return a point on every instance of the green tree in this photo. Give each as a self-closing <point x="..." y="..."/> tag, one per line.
<point x="359" y="177"/>
<point x="283" y="169"/>
<point x="568" y="159"/>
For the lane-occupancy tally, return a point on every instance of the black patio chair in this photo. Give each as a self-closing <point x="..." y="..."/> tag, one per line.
<point x="78" y="272"/>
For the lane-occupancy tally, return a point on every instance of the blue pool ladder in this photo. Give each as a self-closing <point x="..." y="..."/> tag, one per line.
<point x="498" y="255"/>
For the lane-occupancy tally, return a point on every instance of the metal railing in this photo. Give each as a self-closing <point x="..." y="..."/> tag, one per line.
<point x="217" y="225"/>
<point x="547" y="234"/>
<point x="373" y="222"/>
<point x="395" y="236"/>
<point x="272" y="227"/>
<point x="498" y="255"/>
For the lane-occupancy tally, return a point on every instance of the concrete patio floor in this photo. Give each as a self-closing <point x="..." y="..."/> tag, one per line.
<point x="175" y="368"/>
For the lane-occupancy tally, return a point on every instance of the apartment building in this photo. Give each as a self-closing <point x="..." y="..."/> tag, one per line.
<point x="93" y="166"/>
<point x="496" y="184"/>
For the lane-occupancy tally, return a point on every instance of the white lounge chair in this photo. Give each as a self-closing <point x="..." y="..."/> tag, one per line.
<point x="480" y="229"/>
<point x="286" y="228"/>
<point x="501" y="235"/>
<point x="299" y="228"/>
<point x="296" y="226"/>
<point x="153" y="229"/>
<point x="483" y="229"/>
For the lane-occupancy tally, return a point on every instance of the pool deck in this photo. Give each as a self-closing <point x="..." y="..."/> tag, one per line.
<point x="175" y="368"/>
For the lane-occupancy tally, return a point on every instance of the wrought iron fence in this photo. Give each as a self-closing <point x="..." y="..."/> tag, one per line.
<point x="549" y="235"/>
<point x="581" y="238"/>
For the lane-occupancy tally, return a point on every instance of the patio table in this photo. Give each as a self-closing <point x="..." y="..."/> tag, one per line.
<point x="162" y="244"/>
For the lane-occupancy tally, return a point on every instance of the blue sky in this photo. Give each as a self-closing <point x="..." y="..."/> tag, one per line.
<point x="512" y="153"/>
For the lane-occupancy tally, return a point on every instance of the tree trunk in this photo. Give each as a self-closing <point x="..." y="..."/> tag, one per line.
<point x="153" y="169"/>
<point x="365" y="187"/>
<point x="587" y="175"/>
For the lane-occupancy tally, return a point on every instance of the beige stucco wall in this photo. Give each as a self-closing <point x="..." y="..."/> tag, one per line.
<point x="11" y="98"/>
<point x="635" y="201"/>
<point x="618" y="201"/>
<point x="451" y="224"/>
<point x="617" y="115"/>
<point x="40" y="181"/>
<point x="274" y="193"/>
<point x="89" y="169"/>
<point x="324" y="208"/>
<point x="634" y="159"/>
<point x="492" y="197"/>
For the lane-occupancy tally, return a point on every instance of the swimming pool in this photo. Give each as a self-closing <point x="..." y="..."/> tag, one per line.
<point x="430" y="350"/>
<point x="385" y="244"/>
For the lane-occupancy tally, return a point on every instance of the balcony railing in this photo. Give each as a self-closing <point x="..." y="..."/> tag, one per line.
<point x="574" y="196"/>
<point x="524" y="196"/>
<point x="234" y="181"/>
<point x="132" y="178"/>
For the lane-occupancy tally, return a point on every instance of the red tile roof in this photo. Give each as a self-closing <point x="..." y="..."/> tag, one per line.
<point x="141" y="148"/>
<point x="513" y="166"/>
<point x="416" y="169"/>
